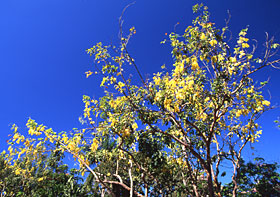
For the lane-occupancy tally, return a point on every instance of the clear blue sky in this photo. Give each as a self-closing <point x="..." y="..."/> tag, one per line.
<point x="43" y="58"/>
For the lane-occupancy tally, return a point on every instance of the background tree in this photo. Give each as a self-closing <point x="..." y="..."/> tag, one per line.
<point x="170" y="134"/>
<point x="256" y="179"/>
<point x="38" y="173"/>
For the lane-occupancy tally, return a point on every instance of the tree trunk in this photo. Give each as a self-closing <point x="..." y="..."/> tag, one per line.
<point x="210" y="183"/>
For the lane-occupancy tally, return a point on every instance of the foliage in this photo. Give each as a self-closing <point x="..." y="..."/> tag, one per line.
<point x="44" y="175"/>
<point x="256" y="179"/>
<point x="170" y="134"/>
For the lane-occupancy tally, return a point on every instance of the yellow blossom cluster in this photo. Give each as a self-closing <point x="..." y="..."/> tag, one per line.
<point x="94" y="145"/>
<point x="243" y="40"/>
<point x="119" y="86"/>
<point x="118" y="102"/>
<point x="18" y="138"/>
<point x="213" y="42"/>
<point x="195" y="65"/>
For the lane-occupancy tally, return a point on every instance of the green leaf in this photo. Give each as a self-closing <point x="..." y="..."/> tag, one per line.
<point x="263" y="83"/>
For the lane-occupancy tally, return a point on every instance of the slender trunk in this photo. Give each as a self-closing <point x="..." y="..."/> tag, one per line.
<point x="210" y="183"/>
<point x="195" y="190"/>
<point x="234" y="177"/>
<point x="146" y="190"/>
<point x="209" y="172"/>
<point x="216" y="182"/>
<point x="131" y="179"/>
<point x="102" y="192"/>
<point x="234" y="191"/>
<point x="191" y="174"/>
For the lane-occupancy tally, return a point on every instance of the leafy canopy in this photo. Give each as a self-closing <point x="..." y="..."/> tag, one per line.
<point x="169" y="134"/>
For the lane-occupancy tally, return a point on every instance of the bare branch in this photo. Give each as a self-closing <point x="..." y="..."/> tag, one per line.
<point x="120" y="19"/>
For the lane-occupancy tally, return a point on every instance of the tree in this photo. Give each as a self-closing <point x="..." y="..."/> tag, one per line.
<point x="39" y="174"/>
<point x="170" y="134"/>
<point x="256" y="179"/>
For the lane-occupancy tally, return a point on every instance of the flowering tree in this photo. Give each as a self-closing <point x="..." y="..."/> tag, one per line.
<point x="40" y="174"/>
<point x="171" y="133"/>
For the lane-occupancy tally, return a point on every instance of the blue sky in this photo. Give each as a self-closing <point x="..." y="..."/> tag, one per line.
<point x="43" y="58"/>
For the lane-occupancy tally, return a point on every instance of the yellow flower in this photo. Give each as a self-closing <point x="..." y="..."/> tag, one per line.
<point x="211" y="105"/>
<point x="176" y="108"/>
<point x="243" y="39"/>
<point x="71" y="146"/>
<point x="113" y="80"/>
<point x="265" y="102"/>
<point x="27" y="143"/>
<point x="37" y="133"/>
<point x="21" y="152"/>
<point x="190" y="84"/>
<point x="202" y="36"/>
<point x="245" y="45"/>
<point x="157" y="80"/>
<point x="65" y="139"/>
<point x="180" y="161"/>
<point x="241" y="54"/>
<point x="179" y="68"/>
<point x="230" y="70"/>
<point x="259" y="108"/>
<point x="203" y="116"/>
<point x="167" y="101"/>
<point x="251" y="90"/>
<point x="88" y="73"/>
<point x="18" y="141"/>
<point x="232" y="59"/>
<point x="195" y="65"/>
<point x="16" y="136"/>
<point x="121" y="84"/>
<point x="31" y="131"/>
<point x="10" y="149"/>
<point x="167" y="104"/>
<point x="213" y="42"/>
<point x="242" y="33"/>
<point x="238" y="113"/>
<point x="17" y="172"/>
<point x="40" y="179"/>
<point x="126" y="132"/>
<point x="172" y="83"/>
<point x="94" y="145"/>
<point x="214" y="59"/>
<point x="134" y="126"/>
<point x="158" y="96"/>
<point x="179" y="96"/>
<point x="220" y="57"/>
